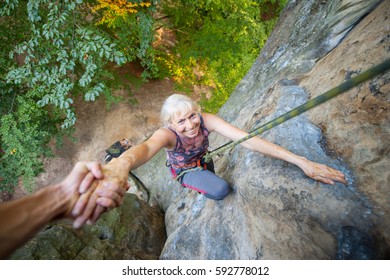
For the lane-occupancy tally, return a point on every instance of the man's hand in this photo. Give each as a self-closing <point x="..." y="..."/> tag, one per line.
<point x="103" y="195"/>
<point x="80" y="178"/>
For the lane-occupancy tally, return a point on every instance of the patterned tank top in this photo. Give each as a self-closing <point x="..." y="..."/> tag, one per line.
<point x="184" y="154"/>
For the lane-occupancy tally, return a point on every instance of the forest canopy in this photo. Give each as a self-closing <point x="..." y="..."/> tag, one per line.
<point x="53" y="51"/>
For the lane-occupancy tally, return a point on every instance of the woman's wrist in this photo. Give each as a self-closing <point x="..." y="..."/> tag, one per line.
<point x="121" y="164"/>
<point x="300" y="161"/>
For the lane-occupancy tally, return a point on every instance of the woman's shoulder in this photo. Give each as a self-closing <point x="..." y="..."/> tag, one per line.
<point x="209" y="116"/>
<point x="166" y="136"/>
<point x="165" y="130"/>
<point x="210" y="121"/>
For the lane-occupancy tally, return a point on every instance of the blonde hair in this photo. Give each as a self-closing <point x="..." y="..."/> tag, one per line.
<point x="177" y="104"/>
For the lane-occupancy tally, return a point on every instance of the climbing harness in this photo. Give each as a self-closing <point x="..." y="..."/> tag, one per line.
<point x="184" y="172"/>
<point x="353" y="82"/>
<point x="195" y="166"/>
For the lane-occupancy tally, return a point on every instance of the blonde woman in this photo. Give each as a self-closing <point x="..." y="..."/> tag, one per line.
<point x="184" y="137"/>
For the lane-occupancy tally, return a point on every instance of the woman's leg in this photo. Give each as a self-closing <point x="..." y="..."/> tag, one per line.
<point x="207" y="183"/>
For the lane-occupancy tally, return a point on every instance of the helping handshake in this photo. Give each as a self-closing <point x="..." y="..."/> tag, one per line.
<point x="91" y="194"/>
<point x="82" y="196"/>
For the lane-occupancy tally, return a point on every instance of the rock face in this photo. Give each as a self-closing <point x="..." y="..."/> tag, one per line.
<point x="274" y="211"/>
<point x="133" y="231"/>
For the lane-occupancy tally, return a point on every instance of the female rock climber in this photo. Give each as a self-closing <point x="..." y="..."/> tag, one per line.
<point x="185" y="140"/>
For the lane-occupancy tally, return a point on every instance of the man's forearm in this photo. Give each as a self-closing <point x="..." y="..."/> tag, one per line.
<point x="23" y="218"/>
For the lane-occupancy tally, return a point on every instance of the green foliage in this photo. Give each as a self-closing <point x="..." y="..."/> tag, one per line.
<point x="134" y="34"/>
<point x="24" y="134"/>
<point x="223" y="38"/>
<point x="59" y="55"/>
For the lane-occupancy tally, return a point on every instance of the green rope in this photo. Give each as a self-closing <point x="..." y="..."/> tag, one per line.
<point x="182" y="173"/>
<point x="353" y="82"/>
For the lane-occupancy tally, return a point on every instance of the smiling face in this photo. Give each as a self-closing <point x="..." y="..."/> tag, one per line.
<point x="186" y="123"/>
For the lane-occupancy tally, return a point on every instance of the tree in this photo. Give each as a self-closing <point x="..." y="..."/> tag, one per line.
<point x="131" y="22"/>
<point x="220" y="39"/>
<point x="54" y="60"/>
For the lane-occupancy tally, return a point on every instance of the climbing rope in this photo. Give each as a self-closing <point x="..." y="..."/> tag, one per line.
<point x="353" y="82"/>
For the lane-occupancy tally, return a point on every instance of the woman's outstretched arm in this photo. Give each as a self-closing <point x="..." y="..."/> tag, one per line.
<point x="90" y="205"/>
<point x="312" y="169"/>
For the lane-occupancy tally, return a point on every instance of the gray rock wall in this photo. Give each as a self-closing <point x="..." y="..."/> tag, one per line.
<point x="274" y="211"/>
<point x="132" y="232"/>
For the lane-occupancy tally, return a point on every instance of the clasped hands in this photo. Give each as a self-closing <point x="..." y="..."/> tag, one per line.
<point x="92" y="189"/>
